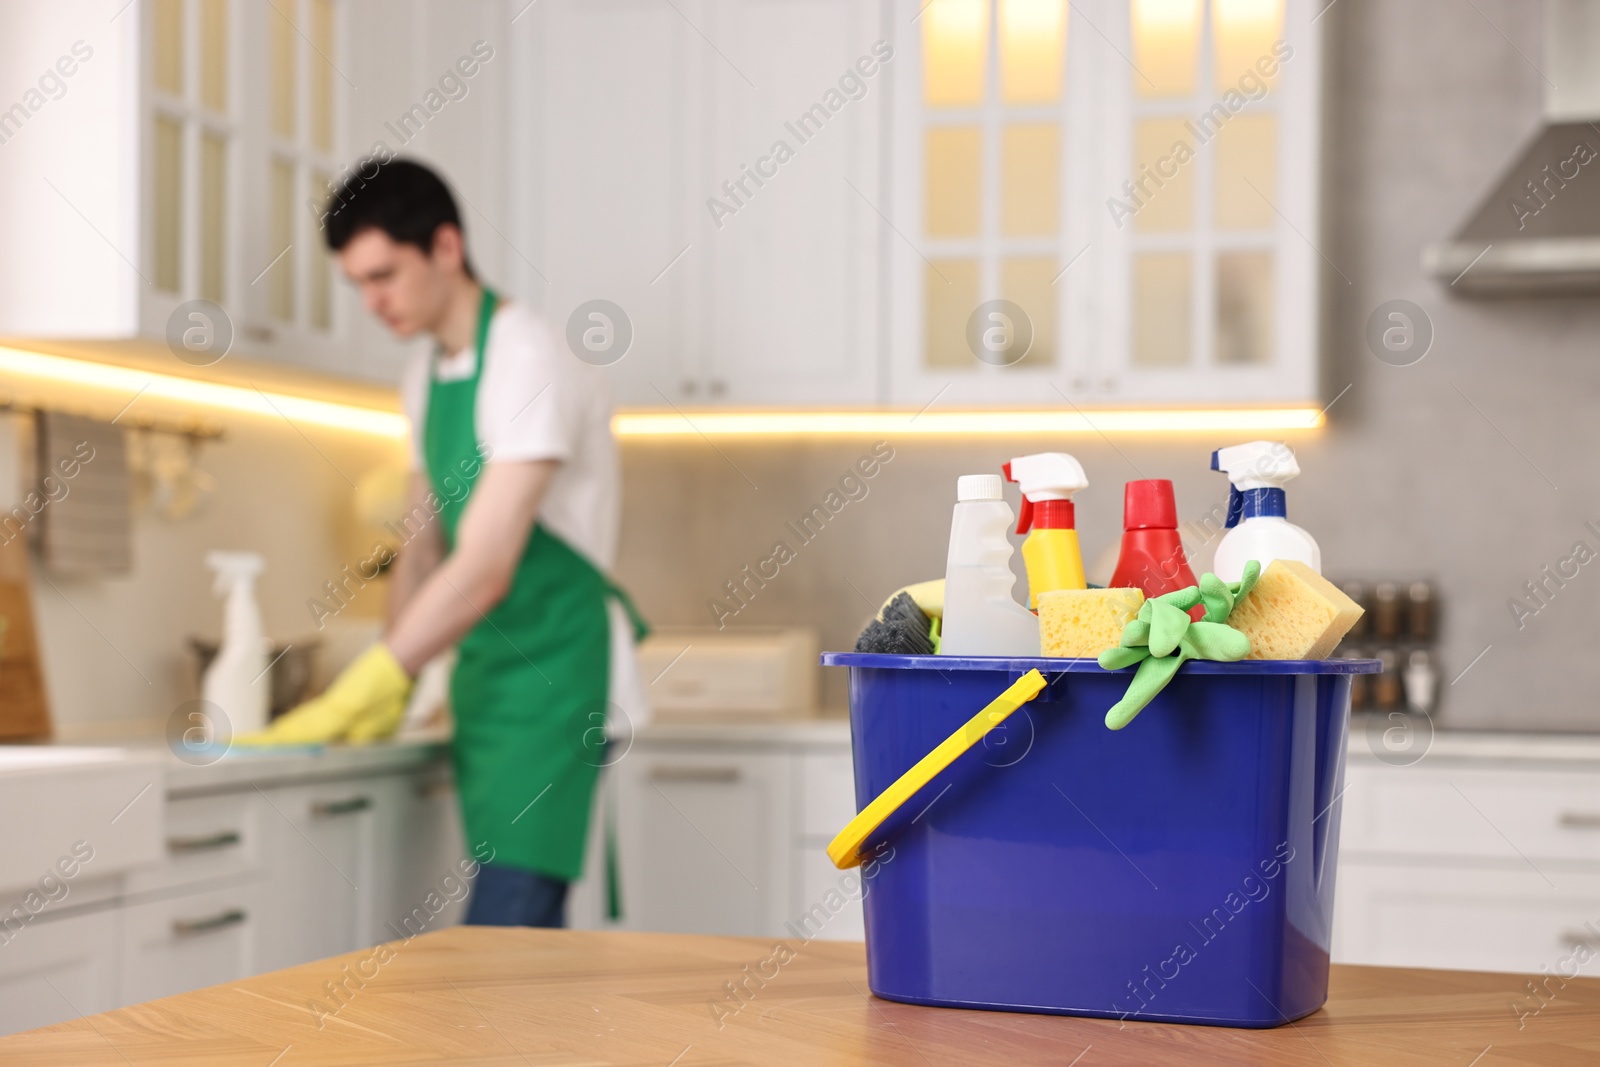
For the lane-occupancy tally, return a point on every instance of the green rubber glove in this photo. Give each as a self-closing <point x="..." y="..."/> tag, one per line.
<point x="1162" y="638"/>
<point x="364" y="704"/>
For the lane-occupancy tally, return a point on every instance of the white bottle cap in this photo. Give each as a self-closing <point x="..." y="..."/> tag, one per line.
<point x="978" y="487"/>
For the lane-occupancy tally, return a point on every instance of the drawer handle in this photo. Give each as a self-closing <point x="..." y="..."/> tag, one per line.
<point x="203" y="844"/>
<point x="324" y="809"/>
<point x="1580" y="820"/>
<point x="694" y="774"/>
<point x="1577" y="938"/>
<point x="439" y="787"/>
<point x="219" y="921"/>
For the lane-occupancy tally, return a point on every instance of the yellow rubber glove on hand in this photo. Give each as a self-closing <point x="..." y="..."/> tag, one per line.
<point x="364" y="704"/>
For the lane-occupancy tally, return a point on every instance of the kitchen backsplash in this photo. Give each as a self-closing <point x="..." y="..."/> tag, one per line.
<point x="286" y="495"/>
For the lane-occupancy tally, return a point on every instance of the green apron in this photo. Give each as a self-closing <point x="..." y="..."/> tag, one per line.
<point x="531" y="678"/>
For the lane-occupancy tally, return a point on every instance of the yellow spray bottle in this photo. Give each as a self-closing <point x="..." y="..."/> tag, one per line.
<point x="1051" y="552"/>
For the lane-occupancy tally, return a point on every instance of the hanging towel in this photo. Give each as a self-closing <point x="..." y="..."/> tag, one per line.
<point x="85" y="520"/>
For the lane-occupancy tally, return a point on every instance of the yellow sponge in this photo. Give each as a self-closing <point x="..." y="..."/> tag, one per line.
<point x="1082" y="623"/>
<point x="1293" y="613"/>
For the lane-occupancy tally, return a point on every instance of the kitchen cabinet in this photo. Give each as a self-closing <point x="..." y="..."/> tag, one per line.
<point x="327" y="868"/>
<point x="1474" y="858"/>
<point x="59" y="967"/>
<point x="1057" y="246"/>
<point x="189" y="156"/>
<point x="791" y="314"/>
<point x="762" y="295"/>
<point x="706" y="834"/>
<point x="610" y="112"/>
<point x="198" y="939"/>
<point x="424" y="825"/>
<point x="960" y="226"/>
<point x="723" y="830"/>
<point x="269" y="862"/>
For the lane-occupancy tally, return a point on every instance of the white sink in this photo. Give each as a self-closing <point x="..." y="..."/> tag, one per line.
<point x="60" y="805"/>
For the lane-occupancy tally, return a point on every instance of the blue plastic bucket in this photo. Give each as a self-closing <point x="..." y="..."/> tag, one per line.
<point x="1179" y="870"/>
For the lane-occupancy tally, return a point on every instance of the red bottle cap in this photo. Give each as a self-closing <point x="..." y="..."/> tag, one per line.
<point x="1148" y="504"/>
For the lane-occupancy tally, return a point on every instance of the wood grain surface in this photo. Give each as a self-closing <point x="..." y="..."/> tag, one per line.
<point x="483" y="995"/>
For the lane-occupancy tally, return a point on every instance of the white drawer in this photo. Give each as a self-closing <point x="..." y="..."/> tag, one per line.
<point x="1517" y="816"/>
<point x="207" y="839"/>
<point x="827" y="792"/>
<point x="1397" y="915"/>
<point x="827" y="905"/>
<point x="188" y="942"/>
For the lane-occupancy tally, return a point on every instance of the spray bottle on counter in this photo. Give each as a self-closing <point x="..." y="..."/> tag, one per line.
<point x="1257" y="506"/>
<point x="980" y="616"/>
<point x="230" y="682"/>
<point x="1152" y="556"/>
<point x="1051" y="551"/>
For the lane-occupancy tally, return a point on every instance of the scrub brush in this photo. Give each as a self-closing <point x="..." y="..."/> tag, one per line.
<point x="901" y="629"/>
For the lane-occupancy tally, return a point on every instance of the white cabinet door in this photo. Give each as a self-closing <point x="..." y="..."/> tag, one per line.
<point x="1466" y="918"/>
<point x="323" y="870"/>
<point x="827" y="901"/>
<point x="55" y="969"/>
<point x="188" y="942"/>
<point x="706" y="841"/>
<point x="433" y="80"/>
<point x="613" y="113"/>
<point x="420" y="851"/>
<point x="786" y="220"/>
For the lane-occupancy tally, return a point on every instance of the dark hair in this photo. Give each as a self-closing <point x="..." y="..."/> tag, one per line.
<point x="404" y="199"/>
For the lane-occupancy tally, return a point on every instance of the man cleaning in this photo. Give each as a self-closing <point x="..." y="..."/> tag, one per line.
<point x="516" y="491"/>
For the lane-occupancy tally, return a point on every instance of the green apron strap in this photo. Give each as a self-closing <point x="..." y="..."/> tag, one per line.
<point x="641" y="628"/>
<point x="613" y="866"/>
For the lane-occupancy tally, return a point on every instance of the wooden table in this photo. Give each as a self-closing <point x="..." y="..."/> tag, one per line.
<point x="478" y="995"/>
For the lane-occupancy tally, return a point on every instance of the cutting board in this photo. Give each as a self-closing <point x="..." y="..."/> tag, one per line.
<point x="24" y="710"/>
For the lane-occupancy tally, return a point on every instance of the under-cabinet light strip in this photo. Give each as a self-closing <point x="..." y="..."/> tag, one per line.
<point x="956" y="423"/>
<point x="132" y="382"/>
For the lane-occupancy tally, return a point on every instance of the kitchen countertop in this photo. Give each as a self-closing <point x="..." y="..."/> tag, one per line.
<point x="1366" y="740"/>
<point x="268" y="766"/>
<point x="829" y="732"/>
<point x="243" y="766"/>
<point x="474" y="995"/>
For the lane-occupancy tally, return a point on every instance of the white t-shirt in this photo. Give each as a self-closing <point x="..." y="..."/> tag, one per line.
<point x="537" y="401"/>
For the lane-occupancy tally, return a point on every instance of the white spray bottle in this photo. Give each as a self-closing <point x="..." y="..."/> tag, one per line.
<point x="234" y="681"/>
<point x="980" y="616"/>
<point x="1257" y="506"/>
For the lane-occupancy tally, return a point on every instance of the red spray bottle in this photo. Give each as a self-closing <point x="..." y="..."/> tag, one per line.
<point x="1152" y="554"/>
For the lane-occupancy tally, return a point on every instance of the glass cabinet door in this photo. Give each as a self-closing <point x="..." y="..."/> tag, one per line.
<point x="1106" y="202"/>
<point x="191" y="132"/>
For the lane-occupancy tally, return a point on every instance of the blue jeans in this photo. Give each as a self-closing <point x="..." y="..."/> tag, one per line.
<point x="510" y="896"/>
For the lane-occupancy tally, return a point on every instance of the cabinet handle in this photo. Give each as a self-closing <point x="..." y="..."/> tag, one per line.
<point x="219" y="921"/>
<point x="689" y="387"/>
<point x="259" y="333"/>
<point x="694" y="774"/>
<point x="203" y="844"/>
<point x="718" y="387"/>
<point x="1580" y="820"/>
<point x="439" y="787"/>
<point x="323" y="809"/>
<point x="1575" y="938"/>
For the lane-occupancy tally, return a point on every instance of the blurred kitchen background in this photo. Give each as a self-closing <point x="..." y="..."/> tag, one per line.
<point x="603" y="150"/>
<point x="585" y="151"/>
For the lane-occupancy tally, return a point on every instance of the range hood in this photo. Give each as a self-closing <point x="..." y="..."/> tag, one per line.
<point x="1538" y="231"/>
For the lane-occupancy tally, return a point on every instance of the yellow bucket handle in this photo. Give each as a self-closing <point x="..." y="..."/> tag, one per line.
<point x="845" y="849"/>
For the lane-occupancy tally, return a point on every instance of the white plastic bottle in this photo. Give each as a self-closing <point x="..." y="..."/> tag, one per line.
<point x="234" y="681"/>
<point x="981" y="618"/>
<point x="1257" y="509"/>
